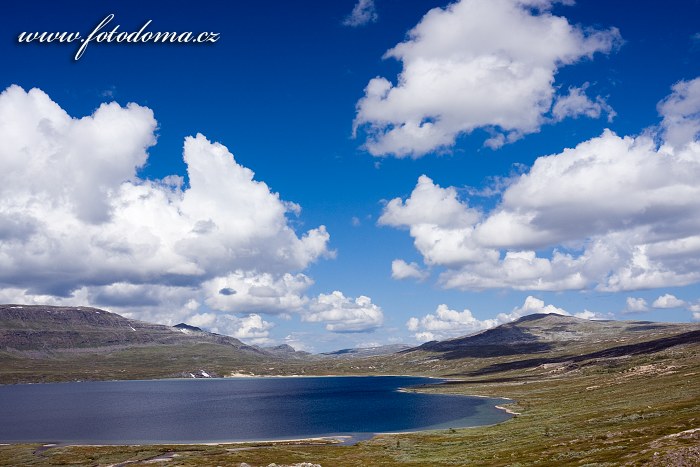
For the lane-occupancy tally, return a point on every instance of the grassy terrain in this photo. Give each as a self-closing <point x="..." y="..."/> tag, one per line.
<point x="137" y="362"/>
<point x="625" y="401"/>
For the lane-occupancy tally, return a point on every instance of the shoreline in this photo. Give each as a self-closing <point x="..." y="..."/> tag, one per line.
<point x="330" y="440"/>
<point x="236" y="375"/>
<point x="507" y="410"/>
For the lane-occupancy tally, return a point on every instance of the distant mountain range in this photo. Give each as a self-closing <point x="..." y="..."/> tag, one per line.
<point x="47" y="343"/>
<point x="360" y="352"/>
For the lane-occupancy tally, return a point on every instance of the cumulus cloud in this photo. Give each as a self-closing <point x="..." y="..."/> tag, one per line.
<point x="441" y="225"/>
<point x="86" y="218"/>
<point x="681" y="123"/>
<point x="202" y="320"/>
<point x="251" y="328"/>
<point x="636" y="305"/>
<point x="668" y="301"/>
<point x="532" y="305"/>
<point x="43" y="148"/>
<point x="23" y="296"/>
<point x="343" y="314"/>
<point x="613" y="213"/>
<point x="695" y="309"/>
<point x="576" y="103"/>
<point x="246" y="291"/>
<point x="478" y="64"/>
<point x="445" y="323"/>
<point x="78" y="224"/>
<point x="364" y="12"/>
<point x="594" y="315"/>
<point x="400" y="269"/>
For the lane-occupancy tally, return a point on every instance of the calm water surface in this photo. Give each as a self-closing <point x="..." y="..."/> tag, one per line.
<point x="235" y="409"/>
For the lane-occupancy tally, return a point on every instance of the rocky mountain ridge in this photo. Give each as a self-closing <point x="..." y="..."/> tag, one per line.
<point x="39" y="327"/>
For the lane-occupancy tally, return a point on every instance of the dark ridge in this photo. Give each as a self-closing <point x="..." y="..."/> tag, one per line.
<point x="281" y="348"/>
<point x="641" y="348"/>
<point x="647" y="327"/>
<point x="359" y="352"/>
<point x="536" y="333"/>
<point x="188" y="327"/>
<point x="507" y="339"/>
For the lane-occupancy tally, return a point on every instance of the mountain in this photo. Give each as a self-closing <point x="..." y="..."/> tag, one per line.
<point x="52" y="328"/>
<point x="539" y="333"/>
<point x="286" y="351"/>
<point x="583" y="392"/>
<point x="537" y="342"/>
<point x="50" y="343"/>
<point x="360" y="352"/>
<point x="186" y="327"/>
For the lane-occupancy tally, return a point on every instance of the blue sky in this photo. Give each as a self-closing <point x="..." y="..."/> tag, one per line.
<point x="507" y="157"/>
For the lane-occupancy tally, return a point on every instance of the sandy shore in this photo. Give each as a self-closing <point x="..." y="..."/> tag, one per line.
<point x="339" y="439"/>
<point x="507" y="410"/>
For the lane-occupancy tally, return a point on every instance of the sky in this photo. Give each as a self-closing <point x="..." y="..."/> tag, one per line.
<point x="352" y="173"/>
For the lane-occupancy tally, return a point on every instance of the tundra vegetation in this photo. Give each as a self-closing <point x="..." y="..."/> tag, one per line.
<point x="585" y="393"/>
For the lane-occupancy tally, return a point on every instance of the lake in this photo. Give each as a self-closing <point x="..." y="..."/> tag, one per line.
<point x="231" y="409"/>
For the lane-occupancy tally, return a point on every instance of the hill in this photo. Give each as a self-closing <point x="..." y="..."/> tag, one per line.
<point x="44" y="343"/>
<point x="359" y="352"/>
<point x="539" y="333"/>
<point x="585" y="393"/>
<point x="48" y="343"/>
<point x="53" y="328"/>
<point x="531" y="341"/>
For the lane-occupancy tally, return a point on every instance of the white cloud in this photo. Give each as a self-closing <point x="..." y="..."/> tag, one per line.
<point x="426" y="336"/>
<point x="445" y="323"/>
<point x="636" y="305"/>
<point x="300" y="341"/>
<point x="613" y="213"/>
<point x="477" y="64"/>
<point x="594" y="315"/>
<point x="244" y="291"/>
<point x="440" y="224"/>
<point x="695" y="309"/>
<point x="251" y="329"/>
<point x="202" y="320"/>
<point x="681" y="124"/>
<point x="44" y="148"/>
<point x="343" y="314"/>
<point x="428" y="204"/>
<point x="577" y="103"/>
<point x="532" y="305"/>
<point x="400" y="269"/>
<point x="24" y="297"/>
<point x="668" y="301"/>
<point x="78" y="224"/>
<point x="363" y="12"/>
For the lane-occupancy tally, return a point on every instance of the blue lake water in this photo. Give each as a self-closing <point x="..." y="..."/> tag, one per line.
<point x="235" y="409"/>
